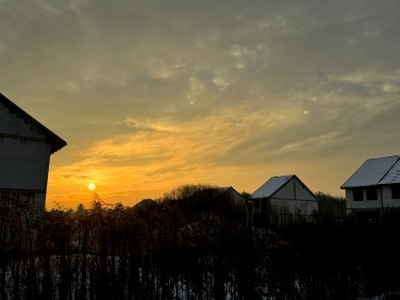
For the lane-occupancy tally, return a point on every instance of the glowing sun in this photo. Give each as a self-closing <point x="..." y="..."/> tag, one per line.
<point x="91" y="186"/>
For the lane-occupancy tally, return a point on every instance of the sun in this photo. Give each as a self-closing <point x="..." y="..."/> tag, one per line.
<point x="91" y="186"/>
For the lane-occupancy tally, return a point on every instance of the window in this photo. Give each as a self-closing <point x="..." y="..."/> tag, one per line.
<point x="395" y="191"/>
<point x="371" y="193"/>
<point x="358" y="194"/>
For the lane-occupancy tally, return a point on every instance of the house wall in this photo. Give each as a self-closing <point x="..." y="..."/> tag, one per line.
<point x="364" y="205"/>
<point x="384" y="200"/>
<point x="235" y="197"/>
<point x="295" y="197"/>
<point x="10" y="124"/>
<point x="24" y="159"/>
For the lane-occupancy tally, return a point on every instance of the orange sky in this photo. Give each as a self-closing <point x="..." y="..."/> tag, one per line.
<point x="150" y="95"/>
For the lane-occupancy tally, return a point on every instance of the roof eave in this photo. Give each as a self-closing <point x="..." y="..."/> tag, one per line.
<point x="366" y="185"/>
<point x="54" y="140"/>
<point x="57" y="145"/>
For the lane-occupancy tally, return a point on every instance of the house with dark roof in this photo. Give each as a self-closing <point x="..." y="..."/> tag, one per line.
<point x="284" y="195"/>
<point x="375" y="186"/>
<point x="25" y="149"/>
<point x="225" y="201"/>
<point x="213" y="197"/>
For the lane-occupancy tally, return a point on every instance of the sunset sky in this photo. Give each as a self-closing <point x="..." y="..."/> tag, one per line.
<point x="150" y="95"/>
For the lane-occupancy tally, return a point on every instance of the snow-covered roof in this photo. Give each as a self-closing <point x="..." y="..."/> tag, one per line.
<point x="376" y="171"/>
<point x="271" y="186"/>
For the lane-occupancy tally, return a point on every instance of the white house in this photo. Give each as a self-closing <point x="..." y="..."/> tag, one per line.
<point x="285" y="195"/>
<point x="25" y="149"/>
<point x="375" y="186"/>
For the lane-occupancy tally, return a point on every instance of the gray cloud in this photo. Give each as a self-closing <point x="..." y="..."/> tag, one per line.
<point x="318" y="78"/>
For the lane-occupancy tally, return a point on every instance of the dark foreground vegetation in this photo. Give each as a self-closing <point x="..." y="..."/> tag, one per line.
<point x="186" y="247"/>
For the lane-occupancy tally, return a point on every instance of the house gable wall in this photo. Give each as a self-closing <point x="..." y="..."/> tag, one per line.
<point x="24" y="158"/>
<point x="12" y="125"/>
<point x="295" y="197"/>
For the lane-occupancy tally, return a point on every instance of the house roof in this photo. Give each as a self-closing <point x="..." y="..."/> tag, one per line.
<point x="271" y="186"/>
<point x="376" y="171"/>
<point x="55" y="141"/>
<point x="221" y="190"/>
<point x="218" y="191"/>
<point x="234" y="194"/>
<point x="144" y="204"/>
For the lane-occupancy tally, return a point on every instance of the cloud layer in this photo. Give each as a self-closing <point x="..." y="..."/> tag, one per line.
<point x="153" y="94"/>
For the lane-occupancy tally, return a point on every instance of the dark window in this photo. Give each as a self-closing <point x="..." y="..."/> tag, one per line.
<point x="358" y="194"/>
<point x="395" y="191"/>
<point x="256" y="203"/>
<point x="371" y="193"/>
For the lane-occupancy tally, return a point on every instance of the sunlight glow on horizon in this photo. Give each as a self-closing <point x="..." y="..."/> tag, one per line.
<point x="269" y="89"/>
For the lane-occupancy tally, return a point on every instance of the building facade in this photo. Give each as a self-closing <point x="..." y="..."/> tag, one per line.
<point x="374" y="187"/>
<point x="25" y="149"/>
<point x="284" y="195"/>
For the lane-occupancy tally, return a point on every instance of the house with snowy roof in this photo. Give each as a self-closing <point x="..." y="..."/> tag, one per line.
<point x="25" y="149"/>
<point x="375" y="186"/>
<point x="284" y="195"/>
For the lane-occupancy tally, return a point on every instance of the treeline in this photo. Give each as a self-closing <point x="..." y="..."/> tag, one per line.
<point x="330" y="208"/>
<point x="191" y="244"/>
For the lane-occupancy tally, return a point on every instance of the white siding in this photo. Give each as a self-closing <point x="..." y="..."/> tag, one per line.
<point x="384" y="200"/>
<point x="295" y="197"/>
